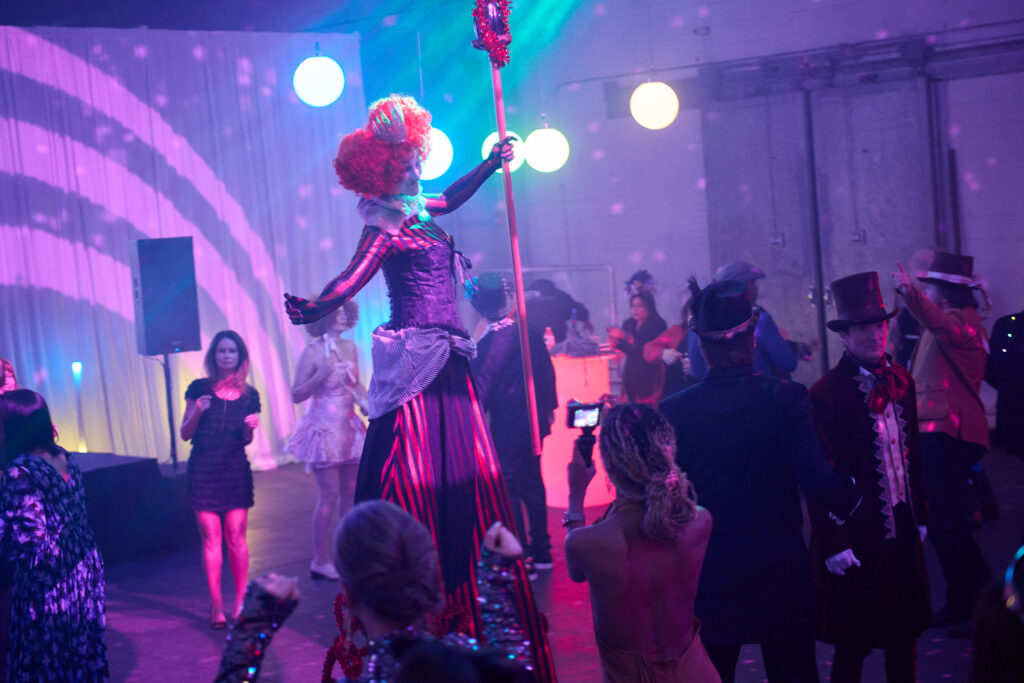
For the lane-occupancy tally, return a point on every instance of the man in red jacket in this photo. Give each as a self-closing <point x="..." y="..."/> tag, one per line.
<point x="948" y="367"/>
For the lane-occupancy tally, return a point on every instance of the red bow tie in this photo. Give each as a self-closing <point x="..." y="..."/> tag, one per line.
<point x="889" y="385"/>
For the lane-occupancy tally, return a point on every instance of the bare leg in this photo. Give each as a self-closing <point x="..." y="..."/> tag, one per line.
<point x="347" y="474"/>
<point x="235" y="522"/>
<point x="210" y="533"/>
<point x="327" y="482"/>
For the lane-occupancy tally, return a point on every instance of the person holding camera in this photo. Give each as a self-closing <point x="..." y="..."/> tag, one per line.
<point x="747" y="442"/>
<point x="643" y="558"/>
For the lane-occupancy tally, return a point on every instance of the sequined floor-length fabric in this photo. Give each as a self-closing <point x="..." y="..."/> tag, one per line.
<point x="433" y="457"/>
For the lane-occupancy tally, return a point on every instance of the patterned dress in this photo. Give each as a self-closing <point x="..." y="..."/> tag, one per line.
<point x="330" y="432"/>
<point x="219" y="476"/>
<point x="57" y="615"/>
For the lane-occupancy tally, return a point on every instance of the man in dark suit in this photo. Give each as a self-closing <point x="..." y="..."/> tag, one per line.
<point x="747" y="442"/>
<point x="870" y="573"/>
<point x="498" y="371"/>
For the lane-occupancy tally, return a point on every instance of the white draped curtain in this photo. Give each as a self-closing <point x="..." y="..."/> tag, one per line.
<point x="109" y="136"/>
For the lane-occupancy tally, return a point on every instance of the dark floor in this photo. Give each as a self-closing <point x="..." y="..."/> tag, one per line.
<point x="157" y="608"/>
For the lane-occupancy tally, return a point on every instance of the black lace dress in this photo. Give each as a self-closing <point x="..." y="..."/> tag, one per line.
<point x="219" y="475"/>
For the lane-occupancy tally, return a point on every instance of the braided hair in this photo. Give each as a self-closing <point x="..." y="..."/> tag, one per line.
<point x="638" y="451"/>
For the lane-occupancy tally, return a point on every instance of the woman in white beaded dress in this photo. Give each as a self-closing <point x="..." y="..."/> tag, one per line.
<point x="329" y="437"/>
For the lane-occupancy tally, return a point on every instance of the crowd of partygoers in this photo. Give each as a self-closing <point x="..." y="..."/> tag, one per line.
<point x="433" y="474"/>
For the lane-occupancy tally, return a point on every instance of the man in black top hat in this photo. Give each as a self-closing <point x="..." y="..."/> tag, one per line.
<point x="747" y="442"/>
<point x="498" y="371"/>
<point x="773" y="354"/>
<point x="872" y="585"/>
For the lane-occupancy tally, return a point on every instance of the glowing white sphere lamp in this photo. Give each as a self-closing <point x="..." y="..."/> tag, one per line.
<point x="517" y="146"/>
<point x="318" y="81"/>
<point x="547" y="150"/>
<point x="654" y="105"/>
<point x="440" y="158"/>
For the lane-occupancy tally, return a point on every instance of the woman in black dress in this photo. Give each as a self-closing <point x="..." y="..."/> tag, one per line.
<point x="57" y="612"/>
<point x="641" y="381"/>
<point x="221" y="412"/>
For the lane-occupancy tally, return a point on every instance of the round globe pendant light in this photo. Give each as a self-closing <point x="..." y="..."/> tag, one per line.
<point x="517" y="146"/>
<point x="547" y="150"/>
<point x="654" y="105"/>
<point x="318" y="81"/>
<point x="440" y="158"/>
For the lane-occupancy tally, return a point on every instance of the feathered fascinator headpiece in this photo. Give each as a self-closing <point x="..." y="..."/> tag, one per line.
<point x="641" y="283"/>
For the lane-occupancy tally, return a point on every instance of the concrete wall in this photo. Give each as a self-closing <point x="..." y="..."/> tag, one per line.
<point x="633" y="198"/>
<point x="986" y="128"/>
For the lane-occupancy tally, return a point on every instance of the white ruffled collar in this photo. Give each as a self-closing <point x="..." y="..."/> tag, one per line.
<point x="390" y="211"/>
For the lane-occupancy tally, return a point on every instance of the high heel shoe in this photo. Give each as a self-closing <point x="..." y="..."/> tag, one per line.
<point x="218" y="622"/>
<point x="323" y="572"/>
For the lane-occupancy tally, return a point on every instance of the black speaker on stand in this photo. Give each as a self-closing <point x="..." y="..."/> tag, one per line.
<point x="166" y="306"/>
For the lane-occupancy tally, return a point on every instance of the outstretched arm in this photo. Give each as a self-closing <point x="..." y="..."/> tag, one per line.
<point x="269" y="600"/>
<point x="462" y="189"/>
<point x="373" y="249"/>
<point x="821" y="484"/>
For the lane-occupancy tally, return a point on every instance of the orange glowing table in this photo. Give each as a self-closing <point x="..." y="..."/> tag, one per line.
<point x="586" y="380"/>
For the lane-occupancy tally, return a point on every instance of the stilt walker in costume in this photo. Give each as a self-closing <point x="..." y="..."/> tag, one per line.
<point x="870" y="572"/>
<point x="427" y="448"/>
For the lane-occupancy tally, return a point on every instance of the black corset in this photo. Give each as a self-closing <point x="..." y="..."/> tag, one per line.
<point x="422" y="289"/>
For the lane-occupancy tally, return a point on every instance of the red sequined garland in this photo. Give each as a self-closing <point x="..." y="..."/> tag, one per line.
<point x="495" y="44"/>
<point x="454" y="619"/>
<point x="347" y="656"/>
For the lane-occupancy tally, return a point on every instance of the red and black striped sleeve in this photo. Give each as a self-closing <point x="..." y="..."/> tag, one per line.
<point x="374" y="247"/>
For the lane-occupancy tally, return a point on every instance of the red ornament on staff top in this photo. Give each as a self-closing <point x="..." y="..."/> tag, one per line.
<point x="492" y="32"/>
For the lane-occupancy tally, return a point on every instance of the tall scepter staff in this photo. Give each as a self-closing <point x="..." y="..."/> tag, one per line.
<point x="493" y="36"/>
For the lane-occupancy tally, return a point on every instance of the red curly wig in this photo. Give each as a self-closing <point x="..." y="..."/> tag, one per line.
<point x="371" y="166"/>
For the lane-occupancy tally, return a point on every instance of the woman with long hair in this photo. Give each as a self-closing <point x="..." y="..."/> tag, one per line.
<point x="428" y="448"/>
<point x="641" y="380"/>
<point x="643" y="558"/>
<point x="329" y="437"/>
<point x="57" y="614"/>
<point x="221" y="412"/>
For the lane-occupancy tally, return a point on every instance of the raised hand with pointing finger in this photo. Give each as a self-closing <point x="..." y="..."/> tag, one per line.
<point x="901" y="280"/>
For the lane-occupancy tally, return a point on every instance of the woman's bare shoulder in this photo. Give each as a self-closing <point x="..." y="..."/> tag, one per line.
<point x="698" y="531"/>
